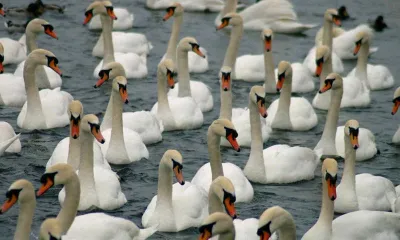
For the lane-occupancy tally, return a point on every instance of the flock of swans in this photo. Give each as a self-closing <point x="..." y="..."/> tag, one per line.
<point x="81" y="161"/>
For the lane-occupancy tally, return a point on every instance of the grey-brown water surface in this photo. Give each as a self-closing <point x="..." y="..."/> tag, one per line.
<point x="139" y="180"/>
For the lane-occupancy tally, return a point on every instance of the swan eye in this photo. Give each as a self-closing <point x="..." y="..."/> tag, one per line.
<point x="110" y="8"/>
<point x="48" y="27"/>
<point x="13" y="192"/>
<point x="260" y="99"/>
<point x="122" y="86"/>
<point x="232" y="132"/>
<point x="319" y="61"/>
<point x="46" y="176"/>
<point x="75" y="119"/>
<point x="104" y="72"/>
<point x="194" y="45"/>
<point x="331" y="178"/>
<point x="171" y="9"/>
<point x="329" y="81"/>
<point x="89" y="13"/>
<point x="1" y="58"/>
<point x="266" y="228"/>
<point x="170" y="73"/>
<point x="207" y="227"/>
<point x="225" y="19"/>
<point x="231" y="197"/>
<point x="176" y="164"/>
<point x="281" y="76"/>
<point x="267" y="38"/>
<point x="353" y="131"/>
<point x="359" y="42"/>
<point x="51" y="59"/>
<point x="394" y="100"/>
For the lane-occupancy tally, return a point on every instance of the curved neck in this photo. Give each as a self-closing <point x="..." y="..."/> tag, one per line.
<point x="284" y="98"/>
<point x="183" y="73"/>
<point x="332" y="116"/>
<point x="326" y="214"/>
<point x="107" y="23"/>
<point x="230" y="6"/>
<point x="213" y="142"/>
<point x="362" y="61"/>
<point x="74" y="152"/>
<point x="230" y="235"/>
<point x="269" y="78"/>
<point x="68" y="211"/>
<point x="226" y="102"/>
<point x="30" y="41"/>
<point x="327" y="34"/>
<point x="164" y="191"/>
<point x="162" y="90"/>
<point x="214" y="203"/>
<point x="233" y="47"/>
<point x="349" y="176"/>
<point x="173" y="40"/>
<point x="25" y="217"/>
<point x="288" y="230"/>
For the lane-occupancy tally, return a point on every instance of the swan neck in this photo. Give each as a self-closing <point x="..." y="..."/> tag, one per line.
<point x="269" y="79"/>
<point x="25" y="218"/>
<point x="183" y="73"/>
<point x="214" y="202"/>
<point x="256" y="157"/>
<point x="162" y="90"/>
<point x="326" y="70"/>
<point x="349" y="176"/>
<point x="332" y="116"/>
<point x="173" y="40"/>
<point x="164" y="191"/>
<point x="362" y="61"/>
<point x="31" y="41"/>
<point x="230" y="6"/>
<point x="117" y="133"/>
<point x="34" y="105"/>
<point x="233" y="47"/>
<point x="327" y="35"/>
<point x="285" y="97"/>
<point x="107" y="119"/>
<point x="230" y="235"/>
<point x="226" y="103"/>
<point x="107" y="23"/>
<point x="214" y="153"/>
<point x="326" y="214"/>
<point x="287" y="231"/>
<point x="74" y="152"/>
<point x="68" y="211"/>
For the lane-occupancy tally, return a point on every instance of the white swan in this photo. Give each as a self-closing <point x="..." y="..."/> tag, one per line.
<point x="50" y="230"/>
<point x="15" y="51"/>
<point x="178" y="206"/>
<point x="122" y="145"/>
<point x="45" y="76"/>
<point x="124" y="21"/>
<point x="278" y="15"/>
<point x="278" y="163"/>
<point x="68" y="150"/>
<point x="9" y="141"/>
<point x="48" y="108"/>
<point x="241" y="117"/>
<point x="210" y="171"/>
<point x="188" y="88"/>
<point x="322" y="229"/>
<point x="276" y="220"/>
<point x="143" y="122"/>
<point x="396" y="104"/>
<point x="354" y="191"/>
<point x="197" y="64"/>
<point x="134" y="65"/>
<point x="100" y="187"/>
<point x="93" y="226"/>
<point x="217" y="224"/>
<point x="375" y="77"/>
<point x="193" y="6"/>
<point x="330" y="17"/>
<point x="176" y="113"/>
<point x="290" y="113"/>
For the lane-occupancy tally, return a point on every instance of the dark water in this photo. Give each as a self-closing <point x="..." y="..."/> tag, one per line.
<point x="139" y="180"/>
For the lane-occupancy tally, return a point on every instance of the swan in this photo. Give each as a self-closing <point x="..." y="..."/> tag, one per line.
<point x="175" y="113"/>
<point x="9" y="141"/>
<point x="278" y="163"/>
<point x="197" y="63"/>
<point x="354" y="191"/>
<point x="68" y="149"/>
<point x="322" y="229"/>
<point x="396" y="104"/>
<point x="210" y="171"/>
<point x="134" y="65"/>
<point x="217" y="224"/>
<point x="45" y="76"/>
<point x="122" y="145"/>
<point x="175" y="207"/>
<point x="375" y="77"/>
<point x="276" y="220"/>
<point x="242" y="117"/>
<point x="124" y="21"/>
<point x="290" y="113"/>
<point x="100" y="187"/>
<point x="92" y="226"/>
<point x="50" y="229"/>
<point x="192" y="6"/>
<point x="254" y="68"/>
<point x="143" y="122"/>
<point x="278" y="15"/>
<point x="330" y="17"/>
<point x="48" y="108"/>
<point x="185" y="87"/>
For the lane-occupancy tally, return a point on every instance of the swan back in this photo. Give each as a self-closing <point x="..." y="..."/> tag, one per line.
<point x="216" y="224"/>
<point x="273" y="219"/>
<point x="50" y="230"/>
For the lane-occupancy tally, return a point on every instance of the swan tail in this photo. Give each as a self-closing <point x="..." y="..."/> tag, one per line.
<point x="147" y="232"/>
<point x="318" y="152"/>
<point x="309" y="26"/>
<point x="4" y="145"/>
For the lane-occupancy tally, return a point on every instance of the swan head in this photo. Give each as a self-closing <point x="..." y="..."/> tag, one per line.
<point x="215" y="224"/>
<point x="271" y="220"/>
<point x="329" y="175"/>
<point x="351" y="129"/>
<point x="110" y="71"/>
<point x="50" y="230"/>
<point x="20" y="191"/>
<point x="266" y="36"/>
<point x="44" y="57"/>
<point x="332" y="15"/>
<point x="342" y="12"/>
<point x="90" y="123"/>
<point x="75" y="112"/>
<point x="332" y="81"/>
<point x="321" y="55"/>
<point x="231" y="18"/>
<point x="257" y="96"/>
<point x="284" y="70"/>
<point x="119" y="85"/>
<point x="362" y="37"/>
<point x="58" y="174"/>
<point x="396" y="101"/>
<point x="1" y="58"/>
<point x="173" y="160"/>
<point x="99" y="7"/>
<point x="175" y="9"/>
<point x="223" y="188"/>
<point x="225" y="128"/>
<point x="190" y="44"/>
<point x="38" y="26"/>
<point x="166" y="68"/>
<point x="225" y="75"/>
<point x="2" y="13"/>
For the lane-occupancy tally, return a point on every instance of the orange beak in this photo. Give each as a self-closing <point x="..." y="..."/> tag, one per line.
<point x="97" y="134"/>
<point x="205" y="235"/>
<point x="124" y="95"/>
<point x="226" y="82"/>
<point x="49" y="183"/>
<point x="357" y="48"/>
<point x="2" y="13"/>
<point x="74" y="129"/>
<point x="56" y="69"/>
<point x="8" y="204"/>
<point x="170" y="80"/>
<point x="279" y="84"/>
<point x="51" y="33"/>
<point x="89" y="17"/>
<point x="230" y="207"/>
<point x="265" y="235"/>
<point x="331" y="190"/>
<point x="395" y="107"/>
<point x="169" y="14"/>
<point x="110" y="13"/>
<point x="224" y="23"/>
<point x="318" y="70"/>
<point x="233" y="142"/>
<point x="262" y="109"/>
<point x="198" y="52"/>
<point x="179" y="175"/>
<point x="1" y="67"/>
<point x="337" y="21"/>
<point x="354" y="141"/>
<point x="326" y="87"/>
<point x="268" y="45"/>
